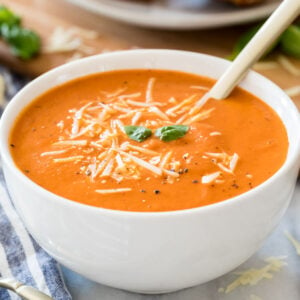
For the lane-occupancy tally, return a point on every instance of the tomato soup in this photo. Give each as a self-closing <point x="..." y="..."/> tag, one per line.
<point x="138" y="140"/>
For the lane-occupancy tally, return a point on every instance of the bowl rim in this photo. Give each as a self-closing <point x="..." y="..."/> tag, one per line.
<point x="48" y="195"/>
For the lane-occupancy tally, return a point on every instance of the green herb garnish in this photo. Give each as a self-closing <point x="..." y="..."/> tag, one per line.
<point x="23" y="42"/>
<point x="137" y="133"/>
<point x="8" y="17"/>
<point x="290" y="41"/>
<point x="171" y="133"/>
<point x="245" y="39"/>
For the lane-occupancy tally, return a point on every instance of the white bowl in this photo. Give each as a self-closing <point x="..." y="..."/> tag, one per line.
<point x="152" y="252"/>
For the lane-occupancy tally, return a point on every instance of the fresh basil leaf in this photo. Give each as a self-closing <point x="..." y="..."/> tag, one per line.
<point x="290" y="41"/>
<point x="172" y="132"/>
<point x="137" y="133"/>
<point x="8" y="17"/>
<point x="23" y="42"/>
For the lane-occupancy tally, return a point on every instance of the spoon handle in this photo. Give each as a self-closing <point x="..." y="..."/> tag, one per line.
<point x="26" y="292"/>
<point x="281" y="18"/>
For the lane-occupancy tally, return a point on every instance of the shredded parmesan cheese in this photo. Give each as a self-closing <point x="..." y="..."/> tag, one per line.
<point x="143" y="163"/>
<point x="200" y="103"/>
<point x="62" y="40"/>
<point x="129" y="96"/>
<point x="96" y="131"/>
<point x="198" y="87"/>
<point x="181" y="119"/>
<point x="70" y="40"/>
<point x="295" y="243"/>
<point x="142" y="150"/>
<point x="223" y="168"/>
<point x="266" y="65"/>
<point x="171" y="173"/>
<point x="108" y="169"/>
<point x="136" y="118"/>
<point x="60" y="125"/>
<point x="293" y="91"/>
<point x="233" y="162"/>
<point x="172" y="100"/>
<point x="68" y="159"/>
<point x="223" y="160"/>
<point x="158" y="112"/>
<point x="50" y="153"/>
<point x="98" y="168"/>
<point x="113" y="191"/>
<point x="71" y="143"/>
<point x="154" y="160"/>
<point x="253" y="276"/>
<point x="121" y="109"/>
<point x="114" y="94"/>
<point x="165" y="159"/>
<point x="120" y="161"/>
<point x="149" y="90"/>
<point x="288" y="65"/>
<point x="75" y="56"/>
<point x="206" y="179"/>
<point x="201" y="116"/>
<point x="86" y="33"/>
<point x="214" y="133"/>
<point x="254" y="297"/>
<point x="120" y="125"/>
<point x="143" y="104"/>
<point x="185" y="102"/>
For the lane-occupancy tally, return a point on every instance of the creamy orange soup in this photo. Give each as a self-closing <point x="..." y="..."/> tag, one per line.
<point x="76" y="141"/>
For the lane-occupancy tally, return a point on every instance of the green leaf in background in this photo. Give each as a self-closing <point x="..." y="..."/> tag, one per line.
<point x="290" y="41"/>
<point x="23" y="42"/>
<point x="245" y="39"/>
<point x="172" y="132"/>
<point x="138" y="133"/>
<point x="8" y="17"/>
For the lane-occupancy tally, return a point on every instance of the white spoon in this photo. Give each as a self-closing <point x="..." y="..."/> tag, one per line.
<point x="26" y="292"/>
<point x="281" y="18"/>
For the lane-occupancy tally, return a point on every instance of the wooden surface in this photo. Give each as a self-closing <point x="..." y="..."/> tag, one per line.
<point x="45" y="16"/>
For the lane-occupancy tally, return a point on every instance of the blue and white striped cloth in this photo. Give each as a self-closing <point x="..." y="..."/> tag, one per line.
<point x="20" y="256"/>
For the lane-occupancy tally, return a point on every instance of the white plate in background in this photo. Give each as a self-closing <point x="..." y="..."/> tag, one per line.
<point x="178" y="14"/>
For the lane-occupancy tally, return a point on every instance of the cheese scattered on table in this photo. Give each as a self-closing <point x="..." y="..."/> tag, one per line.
<point x="295" y="243"/>
<point x="266" y="65"/>
<point x="288" y="65"/>
<point x="253" y="276"/>
<point x="293" y="91"/>
<point x="64" y="40"/>
<point x="254" y="297"/>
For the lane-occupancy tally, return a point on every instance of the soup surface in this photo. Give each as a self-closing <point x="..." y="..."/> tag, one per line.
<point x="136" y="140"/>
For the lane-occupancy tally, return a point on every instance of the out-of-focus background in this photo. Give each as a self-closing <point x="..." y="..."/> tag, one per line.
<point x="76" y="28"/>
<point x="72" y="29"/>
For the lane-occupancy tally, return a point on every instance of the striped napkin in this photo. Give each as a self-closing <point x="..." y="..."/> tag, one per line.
<point x="20" y="256"/>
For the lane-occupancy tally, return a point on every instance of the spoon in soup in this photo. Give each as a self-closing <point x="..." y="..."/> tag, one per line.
<point x="281" y="18"/>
